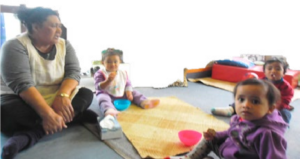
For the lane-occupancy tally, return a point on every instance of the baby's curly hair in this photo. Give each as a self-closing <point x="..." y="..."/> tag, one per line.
<point x="110" y="52"/>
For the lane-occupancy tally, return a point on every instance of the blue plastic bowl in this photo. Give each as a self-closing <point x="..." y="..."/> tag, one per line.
<point x="122" y="104"/>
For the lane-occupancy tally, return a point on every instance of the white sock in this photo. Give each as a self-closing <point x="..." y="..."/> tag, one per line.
<point x="223" y="111"/>
<point x="199" y="151"/>
<point x="107" y="122"/>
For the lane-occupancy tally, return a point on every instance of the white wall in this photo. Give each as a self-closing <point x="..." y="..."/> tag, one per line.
<point x="12" y="25"/>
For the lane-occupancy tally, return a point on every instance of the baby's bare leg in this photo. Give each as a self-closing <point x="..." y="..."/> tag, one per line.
<point x="150" y="103"/>
<point x="112" y="112"/>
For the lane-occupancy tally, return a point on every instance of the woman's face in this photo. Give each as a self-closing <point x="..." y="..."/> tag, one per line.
<point x="49" y="31"/>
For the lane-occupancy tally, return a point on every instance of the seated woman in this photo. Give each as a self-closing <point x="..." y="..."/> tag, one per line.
<point x="39" y="83"/>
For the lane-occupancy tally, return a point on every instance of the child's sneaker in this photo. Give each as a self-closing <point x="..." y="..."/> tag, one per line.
<point x="223" y="111"/>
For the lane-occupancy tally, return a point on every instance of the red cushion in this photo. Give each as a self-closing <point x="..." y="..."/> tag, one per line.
<point x="236" y="74"/>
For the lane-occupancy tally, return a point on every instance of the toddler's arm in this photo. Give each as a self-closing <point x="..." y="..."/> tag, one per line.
<point x="286" y="97"/>
<point x="128" y="86"/>
<point x="101" y="82"/>
<point x="271" y="145"/>
<point x="221" y="135"/>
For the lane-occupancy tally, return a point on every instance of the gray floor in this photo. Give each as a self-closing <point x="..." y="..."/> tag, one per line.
<point x="76" y="142"/>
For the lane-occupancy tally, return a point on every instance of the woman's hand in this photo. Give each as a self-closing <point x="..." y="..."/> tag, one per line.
<point x="209" y="134"/>
<point x="129" y="95"/>
<point x="63" y="107"/>
<point x="53" y="123"/>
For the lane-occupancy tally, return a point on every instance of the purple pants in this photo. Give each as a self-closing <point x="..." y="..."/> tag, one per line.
<point x="106" y="101"/>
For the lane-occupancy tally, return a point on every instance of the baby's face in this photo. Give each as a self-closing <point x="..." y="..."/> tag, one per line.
<point x="112" y="63"/>
<point x="251" y="102"/>
<point x="274" y="71"/>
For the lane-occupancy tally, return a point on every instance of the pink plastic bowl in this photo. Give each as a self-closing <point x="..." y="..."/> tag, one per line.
<point x="189" y="137"/>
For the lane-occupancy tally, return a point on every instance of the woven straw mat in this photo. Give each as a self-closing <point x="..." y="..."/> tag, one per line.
<point x="154" y="132"/>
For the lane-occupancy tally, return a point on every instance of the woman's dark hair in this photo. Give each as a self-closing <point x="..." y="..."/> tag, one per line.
<point x="275" y="59"/>
<point x="35" y="15"/>
<point x="273" y="94"/>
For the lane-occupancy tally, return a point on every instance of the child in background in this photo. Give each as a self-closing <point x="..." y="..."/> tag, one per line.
<point x="274" y="70"/>
<point x="256" y="132"/>
<point x="112" y="83"/>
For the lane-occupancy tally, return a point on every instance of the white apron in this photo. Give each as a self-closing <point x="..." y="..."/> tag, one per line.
<point x="47" y="75"/>
<point x="117" y="86"/>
